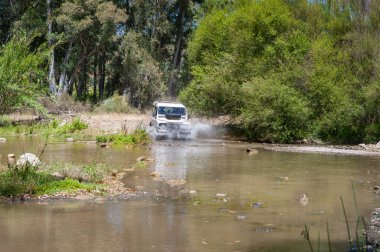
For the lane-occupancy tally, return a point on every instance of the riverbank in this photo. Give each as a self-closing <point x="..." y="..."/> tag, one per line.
<point x="29" y="179"/>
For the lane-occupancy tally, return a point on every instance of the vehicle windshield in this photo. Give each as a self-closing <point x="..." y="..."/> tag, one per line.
<point x="171" y="110"/>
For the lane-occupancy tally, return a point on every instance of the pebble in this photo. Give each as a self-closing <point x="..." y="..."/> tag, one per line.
<point x="241" y="217"/>
<point x="257" y="205"/>
<point x="220" y="195"/>
<point x="252" y="151"/>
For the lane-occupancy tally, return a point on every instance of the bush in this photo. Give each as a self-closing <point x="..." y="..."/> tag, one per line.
<point x="139" y="136"/>
<point x="64" y="104"/>
<point x="273" y="112"/>
<point x="21" y="75"/>
<point x="75" y="126"/>
<point x="116" y="103"/>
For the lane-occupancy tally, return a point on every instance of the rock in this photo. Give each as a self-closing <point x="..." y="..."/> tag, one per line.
<point x="176" y="182"/>
<point x="378" y="145"/>
<point x="376" y="187"/>
<point x="264" y="229"/>
<point x="58" y="175"/>
<point x="363" y="146"/>
<point x="257" y="205"/>
<point x="251" y="151"/>
<point x="140" y="188"/>
<point x="2" y="140"/>
<point x="303" y="200"/>
<point x="184" y="193"/>
<point x="241" y="217"/>
<point x="121" y="175"/>
<point x="220" y="195"/>
<point x="30" y="158"/>
<point x="11" y="159"/>
<point x="373" y="231"/>
<point x="70" y="139"/>
<point x="141" y="159"/>
<point x="104" y="145"/>
<point x="284" y="178"/>
<point x="155" y="174"/>
<point x="130" y="170"/>
<point x="84" y="197"/>
<point x="193" y="193"/>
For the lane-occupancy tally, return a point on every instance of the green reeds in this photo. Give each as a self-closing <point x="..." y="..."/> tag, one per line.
<point x="361" y="240"/>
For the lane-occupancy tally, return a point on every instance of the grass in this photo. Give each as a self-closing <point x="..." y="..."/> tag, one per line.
<point x="94" y="173"/>
<point x="75" y="129"/>
<point x="139" y="136"/>
<point x="66" y="185"/>
<point x="20" y="180"/>
<point x="54" y="128"/>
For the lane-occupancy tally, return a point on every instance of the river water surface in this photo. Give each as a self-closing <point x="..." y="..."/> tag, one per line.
<point x="221" y="216"/>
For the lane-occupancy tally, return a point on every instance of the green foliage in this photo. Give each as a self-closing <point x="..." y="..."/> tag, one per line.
<point x="72" y="127"/>
<point x="139" y="136"/>
<point x="285" y="70"/>
<point x="116" y="103"/>
<point x="19" y="180"/>
<point x="273" y="112"/>
<point x="93" y="172"/>
<point x="54" y="128"/>
<point x="66" y="185"/>
<point x="21" y="75"/>
<point x="138" y="68"/>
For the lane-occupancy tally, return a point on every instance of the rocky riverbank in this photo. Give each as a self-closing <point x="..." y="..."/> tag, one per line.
<point x="373" y="231"/>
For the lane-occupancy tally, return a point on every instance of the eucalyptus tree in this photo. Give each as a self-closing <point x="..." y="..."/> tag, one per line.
<point x="89" y="30"/>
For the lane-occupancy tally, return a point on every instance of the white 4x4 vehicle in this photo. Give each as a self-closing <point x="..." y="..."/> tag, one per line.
<point x="170" y="120"/>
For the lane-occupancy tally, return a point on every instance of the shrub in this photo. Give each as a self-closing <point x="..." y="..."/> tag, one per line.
<point x="139" y="136"/>
<point x="116" y="103"/>
<point x="75" y="126"/>
<point x="64" y="104"/>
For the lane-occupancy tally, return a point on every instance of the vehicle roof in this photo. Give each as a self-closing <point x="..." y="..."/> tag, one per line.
<point x="168" y="104"/>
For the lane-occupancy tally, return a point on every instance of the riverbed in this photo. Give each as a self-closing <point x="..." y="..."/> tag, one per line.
<point x="238" y="201"/>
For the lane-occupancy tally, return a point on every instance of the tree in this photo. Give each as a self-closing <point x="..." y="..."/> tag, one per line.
<point x="21" y="75"/>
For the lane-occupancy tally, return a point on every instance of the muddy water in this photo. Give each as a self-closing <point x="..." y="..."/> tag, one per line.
<point x="204" y="222"/>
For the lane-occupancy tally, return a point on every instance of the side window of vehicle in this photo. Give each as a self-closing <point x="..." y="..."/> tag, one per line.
<point x="154" y="113"/>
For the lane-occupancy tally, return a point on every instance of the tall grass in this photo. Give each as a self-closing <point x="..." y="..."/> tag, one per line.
<point x="53" y="128"/>
<point x="360" y="244"/>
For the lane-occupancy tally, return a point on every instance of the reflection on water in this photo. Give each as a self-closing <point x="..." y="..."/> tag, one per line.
<point x="205" y="223"/>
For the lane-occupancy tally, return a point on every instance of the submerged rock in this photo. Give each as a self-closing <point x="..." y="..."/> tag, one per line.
<point x="29" y="158"/>
<point x="303" y="200"/>
<point x="241" y="217"/>
<point x="220" y="195"/>
<point x="257" y="205"/>
<point x="252" y="151"/>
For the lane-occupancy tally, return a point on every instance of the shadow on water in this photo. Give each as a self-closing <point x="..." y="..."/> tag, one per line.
<point x="221" y="215"/>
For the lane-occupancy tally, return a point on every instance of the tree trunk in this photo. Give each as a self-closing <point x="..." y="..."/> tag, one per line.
<point x="95" y="82"/>
<point x="101" y="68"/>
<point x="177" y="54"/>
<point x="63" y="76"/>
<point x="82" y="80"/>
<point x="51" y="76"/>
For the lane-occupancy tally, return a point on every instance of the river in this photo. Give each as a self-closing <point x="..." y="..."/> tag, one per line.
<point x="221" y="215"/>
